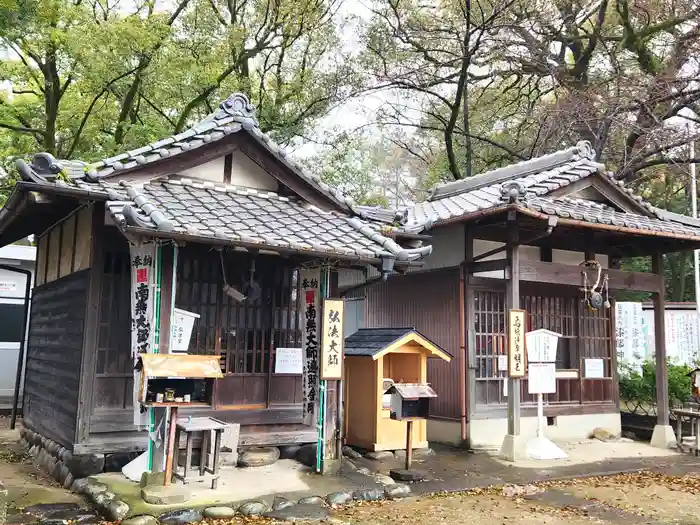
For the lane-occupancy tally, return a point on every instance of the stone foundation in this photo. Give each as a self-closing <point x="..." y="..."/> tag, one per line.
<point x="72" y="470"/>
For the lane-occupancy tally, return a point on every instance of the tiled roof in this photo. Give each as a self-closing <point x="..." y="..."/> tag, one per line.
<point x="594" y="212"/>
<point x="222" y="213"/>
<point x="370" y="341"/>
<point x="247" y="216"/>
<point x="537" y="176"/>
<point x="235" y="114"/>
<point x="527" y="185"/>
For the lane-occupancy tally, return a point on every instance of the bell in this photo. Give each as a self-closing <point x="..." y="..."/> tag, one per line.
<point x="606" y="304"/>
<point x="595" y="300"/>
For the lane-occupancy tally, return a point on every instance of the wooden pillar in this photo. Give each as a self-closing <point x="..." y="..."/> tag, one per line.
<point x="663" y="434"/>
<point x="167" y="282"/>
<point x="514" y="446"/>
<point x="513" y="303"/>
<point x="660" y="344"/>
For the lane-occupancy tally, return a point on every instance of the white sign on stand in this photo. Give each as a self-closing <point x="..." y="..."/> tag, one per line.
<point x="541" y="346"/>
<point x="541" y="378"/>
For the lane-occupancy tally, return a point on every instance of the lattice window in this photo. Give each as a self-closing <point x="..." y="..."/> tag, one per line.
<point x="243" y="333"/>
<point x="585" y="334"/>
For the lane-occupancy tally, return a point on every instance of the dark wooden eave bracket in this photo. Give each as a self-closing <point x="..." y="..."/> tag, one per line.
<point x="499" y="264"/>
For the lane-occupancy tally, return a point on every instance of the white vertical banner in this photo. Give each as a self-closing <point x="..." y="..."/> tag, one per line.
<point x="629" y="334"/>
<point x="311" y="320"/>
<point x="143" y="283"/>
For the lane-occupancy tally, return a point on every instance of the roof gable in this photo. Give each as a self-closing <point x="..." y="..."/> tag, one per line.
<point x="233" y="127"/>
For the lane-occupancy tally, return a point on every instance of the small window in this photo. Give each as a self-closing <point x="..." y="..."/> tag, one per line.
<point x="11" y="321"/>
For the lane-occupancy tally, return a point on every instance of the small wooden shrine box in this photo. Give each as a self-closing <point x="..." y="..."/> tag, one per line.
<point x="181" y="374"/>
<point x="373" y="356"/>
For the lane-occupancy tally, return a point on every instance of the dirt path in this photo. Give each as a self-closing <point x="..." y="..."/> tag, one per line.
<point x="662" y="498"/>
<point x="25" y="484"/>
<point x="459" y="510"/>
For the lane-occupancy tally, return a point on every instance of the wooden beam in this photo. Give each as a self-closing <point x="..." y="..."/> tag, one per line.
<point x="228" y="168"/>
<point x="166" y="299"/>
<point x="488" y="266"/>
<point x="662" y="408"/>
<point x="557" y="273"/>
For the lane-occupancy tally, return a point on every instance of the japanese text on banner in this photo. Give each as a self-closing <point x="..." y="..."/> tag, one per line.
<point x="311" y="292"/>
<point x="142" y="312"/>
<point x="332" y="343"/>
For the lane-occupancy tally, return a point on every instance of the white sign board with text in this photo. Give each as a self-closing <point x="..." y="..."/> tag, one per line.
<point x="289" y="361"/>
<point x="541" y="346"/>
<point x="541" y="378"/>
<point x="594" y="368"/>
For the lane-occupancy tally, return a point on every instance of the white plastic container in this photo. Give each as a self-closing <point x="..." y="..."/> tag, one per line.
<point x="181" y="325"/>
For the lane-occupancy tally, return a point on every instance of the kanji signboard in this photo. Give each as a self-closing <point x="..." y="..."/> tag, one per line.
<point x="516" y="343"/>
<point x="332" y="342"/>
<point x="311" y="302"/>
<point x="143" y="258"/>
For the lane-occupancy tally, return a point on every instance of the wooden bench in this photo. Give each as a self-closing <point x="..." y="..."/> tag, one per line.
<point x="692" y="442"/>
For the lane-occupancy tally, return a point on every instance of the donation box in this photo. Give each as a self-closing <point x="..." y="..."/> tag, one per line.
<point x="410" y="401"/>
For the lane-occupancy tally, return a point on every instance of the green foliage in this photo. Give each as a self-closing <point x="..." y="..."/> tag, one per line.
<point x="639" y="389"/>
<point x="88" y="79"/>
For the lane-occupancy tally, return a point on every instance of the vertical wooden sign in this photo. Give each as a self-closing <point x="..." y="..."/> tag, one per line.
<point x="311" y="320"/>
<point x="516" y="343"/>
<point x="143" y="282"/>
<point x="332" y="340"/>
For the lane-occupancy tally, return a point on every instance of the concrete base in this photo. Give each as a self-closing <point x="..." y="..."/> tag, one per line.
<point x="170" y="495"/>
<point x="487" y="434"/>
<point x="663" y="437"/>
<point x="514" y="448"/>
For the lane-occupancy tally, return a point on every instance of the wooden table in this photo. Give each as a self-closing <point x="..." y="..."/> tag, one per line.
<point x="694" y="417"/>
<point x="209" y="427"/>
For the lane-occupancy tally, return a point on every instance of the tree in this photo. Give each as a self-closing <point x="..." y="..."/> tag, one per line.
<point x="373" y="169"/>
<point x="426" y="53"/>
<point x="88" y="79"/>
<point x="539" y="76"/>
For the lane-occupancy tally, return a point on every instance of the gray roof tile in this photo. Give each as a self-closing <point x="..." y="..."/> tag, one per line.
<point x="186" y="206"/>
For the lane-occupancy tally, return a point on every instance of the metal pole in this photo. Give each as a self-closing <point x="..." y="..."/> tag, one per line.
<point x="25" y="322"/>
<point x="696" y="259"/>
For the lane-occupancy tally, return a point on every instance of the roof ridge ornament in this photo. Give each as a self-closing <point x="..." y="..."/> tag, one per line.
<point x="237" y="105"/>
<point x="512" y="191"/>
<point x="585" y="149"/>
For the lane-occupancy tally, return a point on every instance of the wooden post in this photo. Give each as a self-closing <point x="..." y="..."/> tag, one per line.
<point x="171" y="446"/>
<point x="513" y="447"/>
<point x="513" y="303"/>
<point x="663" y="432"/>
<point x="409" y="444"/>
<point x="660" y="345"/>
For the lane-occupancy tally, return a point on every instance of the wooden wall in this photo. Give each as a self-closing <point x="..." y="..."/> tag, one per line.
<point x="65" y="247"/>
<point x="54" y="356"/>
<point x="429" y="302"/>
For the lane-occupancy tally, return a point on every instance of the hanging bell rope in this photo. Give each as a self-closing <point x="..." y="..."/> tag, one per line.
<point x="592" y="296"/>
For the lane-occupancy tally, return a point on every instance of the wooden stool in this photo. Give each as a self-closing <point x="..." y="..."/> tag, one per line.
<point x="207" y="426"/>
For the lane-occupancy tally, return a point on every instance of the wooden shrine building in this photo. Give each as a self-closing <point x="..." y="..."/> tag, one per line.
<point x="529" y="236"/>
<point x="234" y="223"/>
